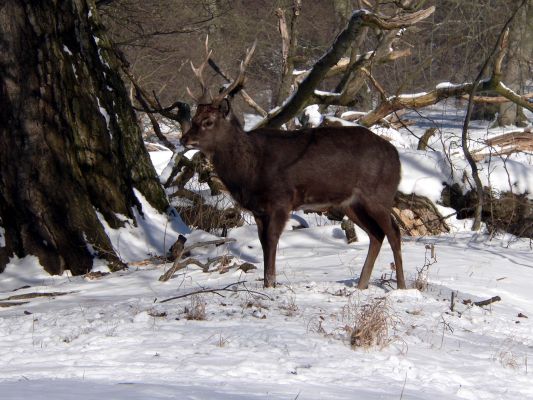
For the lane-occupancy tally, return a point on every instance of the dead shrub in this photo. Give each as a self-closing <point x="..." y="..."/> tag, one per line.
<point x="373" y="324"/>
<point x="196" y="309"/>
<point x="289" y="307"/>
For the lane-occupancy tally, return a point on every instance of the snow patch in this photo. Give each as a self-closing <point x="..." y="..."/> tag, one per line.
<point x="423" y="173"/>
<point x="251" y="120"/>
<point x="161" y="159"/>
<point x="23" y="272"/>
<point x="410" y="95"/>
<point x="446" y="85"/>
<point x="395" y="137"/>
<point x="312" y="115"/>
<point x="67" y="50"/>
<point x="106" y="116"/>
<point x="507" y="176"/>
<point x="2" y="237"/>
<point x="283" y="343"/>
<point x="153" y="234"/>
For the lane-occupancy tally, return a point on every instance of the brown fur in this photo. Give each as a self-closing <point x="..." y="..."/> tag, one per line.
<point x="271" y="172"/>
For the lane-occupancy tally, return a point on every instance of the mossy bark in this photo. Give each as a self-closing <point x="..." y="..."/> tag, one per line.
<point x="70" y="146"/>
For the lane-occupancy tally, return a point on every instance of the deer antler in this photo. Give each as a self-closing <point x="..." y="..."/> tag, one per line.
<point x="238" y="83"/>
<point x="205" y="97"/>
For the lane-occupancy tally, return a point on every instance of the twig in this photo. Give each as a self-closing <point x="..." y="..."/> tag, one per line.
<point x="205" y="266"/>
<point x="178" y="249"/>
<point x="208" y="243"/>
<point x="403" y="387"/>
<point x="223" y="289"/>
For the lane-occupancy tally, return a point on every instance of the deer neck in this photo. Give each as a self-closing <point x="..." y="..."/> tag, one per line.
<point x="235" y="161"/>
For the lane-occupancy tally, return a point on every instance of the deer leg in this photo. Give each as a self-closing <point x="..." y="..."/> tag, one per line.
<point x="395" y="240"/>
<point x="384" y="219"/>
<point x="269" y="227"/>
<point x="376" y="235"/>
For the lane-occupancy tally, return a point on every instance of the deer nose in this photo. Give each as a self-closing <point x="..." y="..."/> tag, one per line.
<point x="187" y="142"/>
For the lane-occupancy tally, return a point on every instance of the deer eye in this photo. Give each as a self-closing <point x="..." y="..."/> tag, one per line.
<point x="207" y="123"/>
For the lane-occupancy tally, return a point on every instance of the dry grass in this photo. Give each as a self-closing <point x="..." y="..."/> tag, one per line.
<point x="373" y="324"/>
<point x="508" y="357"/>
<point x="421" y="280"/>
<point x="289" y="307"/>
<point x="196" y="309"/>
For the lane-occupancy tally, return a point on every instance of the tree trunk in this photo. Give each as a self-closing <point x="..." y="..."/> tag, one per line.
<point x="71" y="152"/>
<point x="288" y="32"/>
<point x="517" y="71"/>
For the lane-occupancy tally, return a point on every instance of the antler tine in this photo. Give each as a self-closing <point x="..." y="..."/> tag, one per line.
<point x="205" y="97"/>
<point x="239" y="81"/>
<point x="193" y="96"/>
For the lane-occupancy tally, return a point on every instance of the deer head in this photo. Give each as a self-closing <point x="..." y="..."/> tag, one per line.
<point x="213" y="114"/>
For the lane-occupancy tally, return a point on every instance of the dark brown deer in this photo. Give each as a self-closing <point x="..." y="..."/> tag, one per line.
<point x="271" y="172"/>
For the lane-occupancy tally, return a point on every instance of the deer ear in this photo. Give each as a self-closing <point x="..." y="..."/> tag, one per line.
<point x="225" y="108"/>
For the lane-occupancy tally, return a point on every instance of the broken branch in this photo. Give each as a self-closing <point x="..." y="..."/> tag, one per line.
<point x="226" y="288"/>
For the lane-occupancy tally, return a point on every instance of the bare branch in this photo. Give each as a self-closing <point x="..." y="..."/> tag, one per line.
<point x="359" y="19"/>
<point x="227" y="288"/>
<point x="398" y="22"/>
<point x="152" y="106"/>
<point x="441" y="92"/>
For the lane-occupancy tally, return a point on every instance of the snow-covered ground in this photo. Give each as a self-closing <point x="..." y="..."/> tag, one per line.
<point x="112" y="336"/>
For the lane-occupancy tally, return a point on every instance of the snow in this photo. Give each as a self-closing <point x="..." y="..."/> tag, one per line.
<point x="106" y="116"/>
<point x="508" y="175"/>
<point x="446" y="85"/>
<point x="423" y="173"/>
<point x="113" y="338"/>
<point x="160" y="159"/>
<point x="313" y="115"/>
<point x="153" y="234"/>
<point x="251" y="120"/>
<point x="391" y="134"/>
<point x="97" y="40"/>
<point x="67" y="50"/>
<point x="411" y="95"/>
<point x="2" y="237"/>
<point x="326" y="93"/>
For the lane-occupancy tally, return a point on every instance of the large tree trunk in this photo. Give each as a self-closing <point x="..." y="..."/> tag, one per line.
<point x="71" y="151"/>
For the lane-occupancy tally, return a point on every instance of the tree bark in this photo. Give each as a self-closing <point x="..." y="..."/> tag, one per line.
<point x="516" y="71"/>
<point x="288" y="32"/>
<point x="71" y="152"/>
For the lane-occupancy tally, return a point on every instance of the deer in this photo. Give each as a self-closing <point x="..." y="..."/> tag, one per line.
<point x="271" y="172"/>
